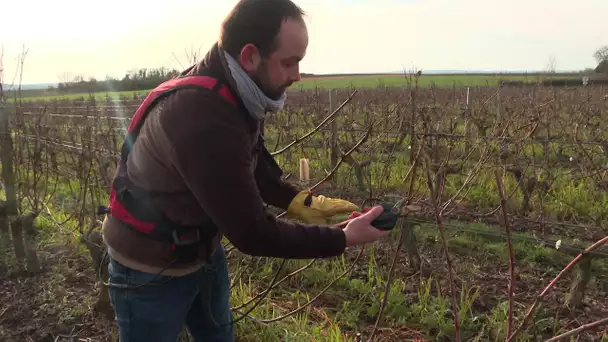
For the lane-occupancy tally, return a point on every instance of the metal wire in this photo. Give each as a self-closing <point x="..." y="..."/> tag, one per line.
<point x="517" y="237"/>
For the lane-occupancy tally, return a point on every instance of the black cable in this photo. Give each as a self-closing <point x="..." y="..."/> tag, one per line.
<point x="105" y="256"/>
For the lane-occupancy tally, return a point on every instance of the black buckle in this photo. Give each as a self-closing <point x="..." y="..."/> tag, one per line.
<point x="102" y="210"/>
<point x="185" y="239"/>
<point x="308" y="200"/>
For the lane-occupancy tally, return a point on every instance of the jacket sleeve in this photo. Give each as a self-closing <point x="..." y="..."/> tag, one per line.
<point x="212" y="153"/>
<point x="273" y="189"/>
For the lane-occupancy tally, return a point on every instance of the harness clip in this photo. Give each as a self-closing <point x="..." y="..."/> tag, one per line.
<point x="184" y="240"/>
<point x="102" y="210"/>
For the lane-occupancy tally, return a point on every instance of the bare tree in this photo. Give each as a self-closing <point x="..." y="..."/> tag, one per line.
<point x="551" y="65"/>
<point x="601" y="54"/>
<point x="192" y="56"/>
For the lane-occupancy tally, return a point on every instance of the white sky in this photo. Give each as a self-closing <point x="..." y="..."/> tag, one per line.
<point x="68" y="36"/>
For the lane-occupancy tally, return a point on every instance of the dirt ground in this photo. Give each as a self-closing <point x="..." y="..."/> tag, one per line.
<point x="57" y="304"/>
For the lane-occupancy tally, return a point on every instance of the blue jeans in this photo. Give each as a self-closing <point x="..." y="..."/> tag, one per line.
<point x="158" y="310"/>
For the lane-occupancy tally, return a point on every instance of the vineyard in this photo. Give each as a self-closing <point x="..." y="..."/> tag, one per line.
<point x="504" y="237"/>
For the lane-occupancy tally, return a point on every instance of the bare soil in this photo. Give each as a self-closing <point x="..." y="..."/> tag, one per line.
<point x="57" y="304"/>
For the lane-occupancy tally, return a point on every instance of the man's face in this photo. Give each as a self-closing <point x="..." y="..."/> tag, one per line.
<point x="276" y="72"/>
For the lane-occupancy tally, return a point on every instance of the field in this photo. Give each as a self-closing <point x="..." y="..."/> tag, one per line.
<point x="333" y="81"/>
<point x="506" y="187"/>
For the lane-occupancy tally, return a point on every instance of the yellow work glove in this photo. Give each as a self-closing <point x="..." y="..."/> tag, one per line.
<point x="316" y="209"/>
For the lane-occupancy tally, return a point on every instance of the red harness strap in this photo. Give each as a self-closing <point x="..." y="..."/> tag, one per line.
<point x="133" y="205"/>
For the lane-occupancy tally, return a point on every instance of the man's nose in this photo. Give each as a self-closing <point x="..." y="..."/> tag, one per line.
<point x="297" y="76"/>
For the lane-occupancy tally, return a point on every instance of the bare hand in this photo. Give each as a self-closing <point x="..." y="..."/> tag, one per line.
<point x="360" y="231"/>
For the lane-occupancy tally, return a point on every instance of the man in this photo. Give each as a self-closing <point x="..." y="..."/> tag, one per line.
<point x="199" y="151"/>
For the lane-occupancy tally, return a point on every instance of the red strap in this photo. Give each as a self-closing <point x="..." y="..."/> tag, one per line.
<point x="122" y="214"/>
<point x="202" y="81"/>
<point x="115" y="207"/>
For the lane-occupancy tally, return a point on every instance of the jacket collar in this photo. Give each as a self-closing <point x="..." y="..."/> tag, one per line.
<point x="213" y="64"/>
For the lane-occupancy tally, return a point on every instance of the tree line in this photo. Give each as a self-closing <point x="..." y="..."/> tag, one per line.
<point x="140" y="79"/>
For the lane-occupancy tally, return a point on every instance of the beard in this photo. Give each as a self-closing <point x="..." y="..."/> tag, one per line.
<point x="264" y="83"/>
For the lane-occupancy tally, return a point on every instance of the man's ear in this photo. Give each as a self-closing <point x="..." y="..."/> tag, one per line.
<point x="250" y="58"/>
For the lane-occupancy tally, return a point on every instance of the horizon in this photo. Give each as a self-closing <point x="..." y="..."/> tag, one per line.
<point x="469" y="36"/>
<point x="42" y="85"/>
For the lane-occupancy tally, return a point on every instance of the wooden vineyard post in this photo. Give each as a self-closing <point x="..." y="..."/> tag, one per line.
<point x="7" y="162"/>
<point x="25" y="225"/>
<point x="26" y="222"/>
<point x="334" y="139"/>
<point x="6" y="158"/>
<point x="467" y="119"/>
<point x="410" y="244"/>
<point x="5" y="239"/>
<point x="94" y="243"/>
<point x="304" y="171"/>
<point x="577" y="291"/>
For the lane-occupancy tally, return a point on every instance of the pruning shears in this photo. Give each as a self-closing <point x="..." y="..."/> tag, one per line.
<point x="387" y="220"/>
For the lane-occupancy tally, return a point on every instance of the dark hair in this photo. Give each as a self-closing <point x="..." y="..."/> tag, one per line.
<point x="256" y="22"/>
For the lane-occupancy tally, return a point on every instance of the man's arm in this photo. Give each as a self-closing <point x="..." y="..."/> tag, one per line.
<point x="273" y="189"/>
<point x="212" y="152"/>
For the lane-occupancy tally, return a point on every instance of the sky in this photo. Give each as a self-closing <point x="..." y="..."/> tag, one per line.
<point x="66" y="38"/>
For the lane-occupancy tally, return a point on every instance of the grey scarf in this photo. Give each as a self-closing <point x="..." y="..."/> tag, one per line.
<point x="256" y="102"/>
